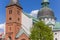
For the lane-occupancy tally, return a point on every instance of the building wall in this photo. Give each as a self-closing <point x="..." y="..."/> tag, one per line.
<point x="56" y="35"/>
<point x="26" y="22"/>
<point x="13" y="25"/>
<point x="48" y="21"/>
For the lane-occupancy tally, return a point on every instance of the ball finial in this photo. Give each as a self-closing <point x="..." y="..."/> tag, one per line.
<point x="15" y="1"/>
<point x="45" y="0"/>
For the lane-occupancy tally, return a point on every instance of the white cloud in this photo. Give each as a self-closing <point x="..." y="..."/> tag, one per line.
<point x="2" y="26"/>
<point x="34" y="13"/>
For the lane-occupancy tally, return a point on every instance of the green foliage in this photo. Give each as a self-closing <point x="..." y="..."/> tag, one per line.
<point x="40" y="31"/>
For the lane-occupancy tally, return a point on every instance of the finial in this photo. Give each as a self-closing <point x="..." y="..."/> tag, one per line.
<point x="45" y="3"/>
<point x="14" y="2"/>
<point x="45" y="0"/>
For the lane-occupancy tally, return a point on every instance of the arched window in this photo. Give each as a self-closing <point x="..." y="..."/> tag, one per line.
<point x="18" y="19"/>
<point x="9" y="38"/>
<point x="10" y="11"/>
<point x="55" y="38"/>
<point x="23" y="39"/>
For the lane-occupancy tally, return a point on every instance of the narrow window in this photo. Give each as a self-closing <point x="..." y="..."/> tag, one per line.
<point x="18" y="12"/>
<point x="9" y="38"/>
<point x="10" y="11"/>
<point x="18" y="19"/>
<point x="55" y="38"/>
<point x="10" y="28"/>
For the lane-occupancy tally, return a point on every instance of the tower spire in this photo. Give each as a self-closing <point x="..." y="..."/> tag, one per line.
<point x="45" y="3"/>
<point x="14" y="2"/>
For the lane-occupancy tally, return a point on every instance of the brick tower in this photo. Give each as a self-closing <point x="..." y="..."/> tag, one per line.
<point x="13" y="19"/>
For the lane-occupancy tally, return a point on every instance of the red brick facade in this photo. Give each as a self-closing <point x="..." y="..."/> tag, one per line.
<point x="23" y="37"/>
<point x="13" y="23"/>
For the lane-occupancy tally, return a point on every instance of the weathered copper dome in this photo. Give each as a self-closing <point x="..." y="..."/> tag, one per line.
<point x="45" y="12"/>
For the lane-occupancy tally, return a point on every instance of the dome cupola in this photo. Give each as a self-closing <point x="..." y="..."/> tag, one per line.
<point x="45" y="11"/>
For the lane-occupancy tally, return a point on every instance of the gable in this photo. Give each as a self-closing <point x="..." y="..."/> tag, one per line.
<point x="23" y="37"/>
<point x="21" y="32"/>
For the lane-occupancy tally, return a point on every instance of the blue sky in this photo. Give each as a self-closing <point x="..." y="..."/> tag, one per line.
<point x="28" y="6"/>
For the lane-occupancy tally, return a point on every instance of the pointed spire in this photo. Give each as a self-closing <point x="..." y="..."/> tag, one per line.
<point x="45" y="3"/>
<point x="14" y="2"/>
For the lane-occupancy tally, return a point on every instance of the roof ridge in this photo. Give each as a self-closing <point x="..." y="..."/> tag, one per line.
<point x="35" y="19"/>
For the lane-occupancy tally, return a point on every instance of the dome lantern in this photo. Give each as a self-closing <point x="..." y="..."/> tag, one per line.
<point x="45" y="3"/>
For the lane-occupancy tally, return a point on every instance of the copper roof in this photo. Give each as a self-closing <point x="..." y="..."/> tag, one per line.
<point x="46" y="12"/>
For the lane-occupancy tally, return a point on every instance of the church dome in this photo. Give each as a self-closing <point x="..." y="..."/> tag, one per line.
<point x="45" y="12"/>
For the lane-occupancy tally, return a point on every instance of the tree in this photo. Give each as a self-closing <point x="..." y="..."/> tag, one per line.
<point x="40" y="31"/>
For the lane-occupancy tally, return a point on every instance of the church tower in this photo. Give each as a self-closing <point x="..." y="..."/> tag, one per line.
<point x="46" y="14"/>
<point x="13" y="19"/>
